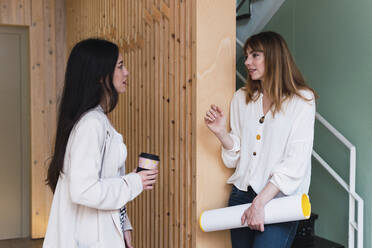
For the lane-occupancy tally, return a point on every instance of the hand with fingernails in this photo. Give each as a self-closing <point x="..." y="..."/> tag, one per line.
<point x="148" y="178"/>
<point x="215" y="120"/>
<point x="254" y="216"/>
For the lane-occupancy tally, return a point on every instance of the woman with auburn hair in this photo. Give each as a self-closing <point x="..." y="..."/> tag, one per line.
<point x="271" y="139"/>
<point x="87" y="170"/>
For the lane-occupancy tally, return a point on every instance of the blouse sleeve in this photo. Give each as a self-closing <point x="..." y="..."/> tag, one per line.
<point x="290" y="172"/>
<point x="127" y="224"/>
<point x="86" y="188"/>
<point x="231" y="157"/>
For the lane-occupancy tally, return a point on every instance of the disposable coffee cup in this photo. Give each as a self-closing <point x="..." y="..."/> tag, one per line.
<point x="147" y="161"/>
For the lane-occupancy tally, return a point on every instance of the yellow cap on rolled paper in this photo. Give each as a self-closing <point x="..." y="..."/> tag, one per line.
<point x="306" y="206"/>
<point x="200" y="224"/>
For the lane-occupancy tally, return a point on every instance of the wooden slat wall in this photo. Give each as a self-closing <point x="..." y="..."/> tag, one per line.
<point x="155" y="114"/>
<point x="45" y="19"/>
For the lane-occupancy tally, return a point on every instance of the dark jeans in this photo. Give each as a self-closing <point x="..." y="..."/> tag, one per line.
<point x="279" y="235"/>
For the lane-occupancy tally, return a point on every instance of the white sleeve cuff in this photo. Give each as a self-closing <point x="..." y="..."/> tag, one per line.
<point x="236" y="145"/>
<point x="230" y="157"/>
<point x="127" y="224"/>
<point x="134" y="181"/>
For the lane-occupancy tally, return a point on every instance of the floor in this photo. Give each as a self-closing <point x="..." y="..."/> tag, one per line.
<point x="21" y="243"/>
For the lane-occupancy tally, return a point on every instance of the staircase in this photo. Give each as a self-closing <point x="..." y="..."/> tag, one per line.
<point x="252" y="16"/>
<point x="306" y="238"/>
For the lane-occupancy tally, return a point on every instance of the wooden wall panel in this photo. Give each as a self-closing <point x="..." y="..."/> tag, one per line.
<point x="45" y="19"/>
<point x="154" y="115"/>
<point x="15" y="12"/>
<point x="214" y="65"/>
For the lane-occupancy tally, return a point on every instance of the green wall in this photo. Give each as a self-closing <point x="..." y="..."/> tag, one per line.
<point x="331" y="41"/>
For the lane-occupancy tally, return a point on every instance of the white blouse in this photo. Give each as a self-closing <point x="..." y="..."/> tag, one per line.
<point x="277" y="150"/>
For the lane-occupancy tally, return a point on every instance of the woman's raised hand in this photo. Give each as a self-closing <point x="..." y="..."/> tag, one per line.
<point x="148" y="178"/>
<point x="215" y="120"/>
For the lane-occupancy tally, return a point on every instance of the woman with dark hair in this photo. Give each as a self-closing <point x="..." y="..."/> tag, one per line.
<point x="86" y="173"/>
<point x="271" y="139"/>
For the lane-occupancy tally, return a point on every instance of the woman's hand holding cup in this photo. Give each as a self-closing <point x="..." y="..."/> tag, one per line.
<point x="148" y="169"/>
<point x="148" y="178"/>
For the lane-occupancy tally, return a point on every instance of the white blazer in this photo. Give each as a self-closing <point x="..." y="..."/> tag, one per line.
<point x="91" y="190"/>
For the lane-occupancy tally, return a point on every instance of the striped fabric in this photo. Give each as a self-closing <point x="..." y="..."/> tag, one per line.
<point x="123" y="214"/>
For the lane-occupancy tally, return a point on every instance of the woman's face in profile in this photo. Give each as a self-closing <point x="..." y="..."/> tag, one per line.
<point x="120" y="75"/>
<point x="255" y="63"/>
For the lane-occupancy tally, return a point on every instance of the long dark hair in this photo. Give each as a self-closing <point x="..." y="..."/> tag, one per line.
<point x="89" y="73"/>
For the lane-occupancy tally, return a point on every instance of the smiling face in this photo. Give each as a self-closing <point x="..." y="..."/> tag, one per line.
<point x="255" y="64"/>
<point x="120" y="75"/>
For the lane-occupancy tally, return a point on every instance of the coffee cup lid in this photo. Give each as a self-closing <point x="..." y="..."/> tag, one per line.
<point x="149" y="156"/>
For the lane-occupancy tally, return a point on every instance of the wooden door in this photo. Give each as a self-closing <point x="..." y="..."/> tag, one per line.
<point x="14" y="133"/>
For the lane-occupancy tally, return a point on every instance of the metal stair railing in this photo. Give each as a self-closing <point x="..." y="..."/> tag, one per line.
<point x="239" y="6"/>
<point x="354" y="225"/>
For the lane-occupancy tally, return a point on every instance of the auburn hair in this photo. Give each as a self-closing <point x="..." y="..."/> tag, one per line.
<point x="282" y="79"/>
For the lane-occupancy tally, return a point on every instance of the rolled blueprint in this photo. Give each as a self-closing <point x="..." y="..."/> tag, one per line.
<point x="283" y="209"/>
